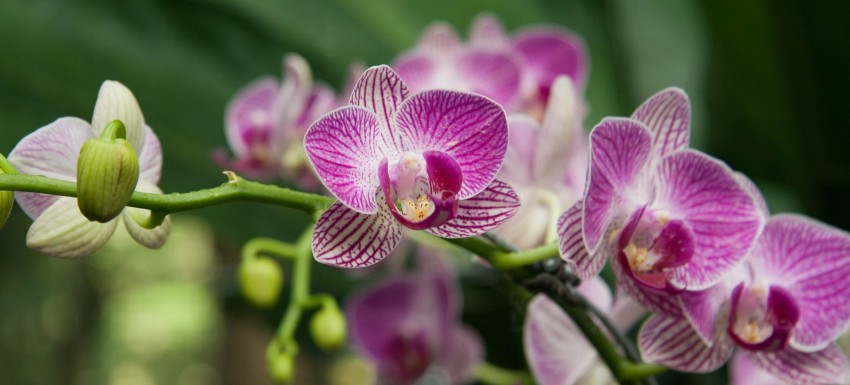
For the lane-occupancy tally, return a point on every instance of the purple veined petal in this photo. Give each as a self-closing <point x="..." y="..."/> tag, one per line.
<point x="518" y="167"/>
<point x="742" y="371"/>
<point x="291" y="101"/>
<point x="488" y="32"/>
<point x="667" y="114"/>
<point x="620" y="152"/>
<point x="672" y="342"/>
<point x="150" y="159"/>
<point x="704" y="193"/>
<point x="481" y="213"/>
<point x="321" y="100"/>
<point x="439" y="37"/>
<point x="116" y="102"/>
<point x="556" y="351"/>
<point x="748" y="185"/>
<point x="466" y="352"/>
<point x="809" y="260"/>
<point x="656" y="301"/>
<point x="346" y="238"/>
<point x="345" y="148"/>
<point x="248" y="118"/>
<point x="492" y="74"/>
<point x="381" y="91"/>
<point x="571" y="245"/>
<point x="826" y="366"/>
<point x="385" y="325"/>
<point x="422" y="70"/>
<point x="557" y="132"/>
<point x="702" y="307"/>
<point x="64" y="232"/>
<point x="469" y="127"/>
<point x="151" y="238"/>
<point x="550" y="52"/>
<point x="51" y="151"/>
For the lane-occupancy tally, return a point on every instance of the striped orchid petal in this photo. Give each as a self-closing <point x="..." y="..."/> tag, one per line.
<point x="656" y="301"/>
<point x="571" y="245"/>
<point x="826" y="366"/>
<point x="494" y="74"/>
<point x="556" y="350"/>
<point x="667" y="114"/>
<point x="116" y="102"/>
<point x="481" y="213"/>
<point x="488" y="32"/>
<point x="702" y="307"/>
<point x="469" y="127"/>
<point x="559" y="128"/>
<point x="809" y="260"/>
<point x="742" y="371"/>
<point x="381" y="91"/>
<point x="518" y="167"/>
<point x="345" y="148"/>
<point x="346" y="238"/>
<point x="466" y="352"/>
<point x="620" y="150"/>
<point x="704" y="193"/>
<point x="150" y="159"/>
<point x="151" y="238"/>
<point x="672" y="342"/>
<point x="549" y="52"/>
<point x="51" y="151"/>
<point x="63" y="232"/>
<point x="439" y="37"/>
<point x="248" y="119"/>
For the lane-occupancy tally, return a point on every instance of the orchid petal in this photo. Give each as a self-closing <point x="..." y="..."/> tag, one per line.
<point x="597" y="292"/>
<point x="469" y="127"/>
<point x="150" y="238"/>
<point x="704" y="193"/>
<point x="116" y="102"/>
<point x="625" y="312"/>
<point x="248" y="120"/>
<point x="808" y="259"/>
<point x="51" y="151"/>
<point x="702" y="307"/>
<point x="672" y="342"/>
<point x="494" y="74"/>
<point x="531" y="225"/>
<point x="321" y="100"/>
<point x="291" y="100"/>
<point x="518" y="166"/>
<point x="345" y="148"/>
<point x="667" y="114"/>
<point x="556" y="351"/>
<point x="655" y="301"/>
<point x="826" y="366"/>
<point x="63" y="232"/>
<point x="381" y="91"/>
<point x="421" y="70"/>
<point x="620" y="150"/>
<point x="150" y="159"/>
<point x="550" y="52"/>
<point x="487" y="31"/>
<point x="346" y="238"/>
<point x="439" y="37"/>
<point x="466" y="352"/>
<point x="742" y="371"/>
<point x="571" y="245"/>
<point x="557" y="131"/>
<point x="748" y="185"/>
<point x="481" y="213"/>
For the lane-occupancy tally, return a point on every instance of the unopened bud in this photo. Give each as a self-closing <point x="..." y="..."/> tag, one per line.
<point x="260" y="280"/>
<point x="107" y="173"/>
<point x="282" y="368"/>
<point x="328" y="328"/>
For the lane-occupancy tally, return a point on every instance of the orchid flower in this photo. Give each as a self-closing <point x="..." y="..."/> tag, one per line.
<point x="265" y="122"/>
<point x="409" y="325"/>
<point x="60" y="230"/>
<point x="670" y="218"/>
<point x="547" y="164"/>
<point x="556" y="350"/>
<point x="783" y="309"/>
<point x="425" y="161"/>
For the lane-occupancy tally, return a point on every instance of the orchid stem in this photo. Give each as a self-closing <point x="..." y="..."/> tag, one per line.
<point x="500" y="242"/>
<point x="494" y="375"/>
<point x="237" y="189"/>
<point x="268" y="246"/>
<point x="7" y="167"/>
<point x="510" y="261"/>
<point x="300" y="288"/>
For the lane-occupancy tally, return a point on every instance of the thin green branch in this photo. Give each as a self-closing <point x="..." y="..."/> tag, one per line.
<point x="268" y="246"/>
<point x="491" y="374"/>
<point x="7" y="167"/>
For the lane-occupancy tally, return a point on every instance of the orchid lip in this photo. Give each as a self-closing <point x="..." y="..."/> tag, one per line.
<point x="422" y="200"/>
<point x="648" y="254"/>
<point x="762" y="318"/>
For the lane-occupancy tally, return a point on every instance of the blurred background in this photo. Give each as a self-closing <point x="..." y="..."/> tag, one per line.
<point x="768" y="82"/>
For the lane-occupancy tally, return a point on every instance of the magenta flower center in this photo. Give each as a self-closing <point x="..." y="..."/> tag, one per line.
<point x="762" y="317"/>
<point x="421" y="189"/>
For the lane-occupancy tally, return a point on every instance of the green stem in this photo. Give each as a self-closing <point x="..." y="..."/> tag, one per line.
<point x="494" y="375"/>
<point x="7" y="167"/>
<point x="300" y="290"/>
<point x="510" y="261"/>
<point x="235" y="190"/>
<point x="639" y="371"/>
<point x="268" y="246"/>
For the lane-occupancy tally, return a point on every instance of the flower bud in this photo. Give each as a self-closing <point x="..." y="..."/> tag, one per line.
<point x="260" y="280"/>
<point x="7" y="198"/>
<point x="107" y="173"/>
<point x="282" y="368"/>
<point x="328" y="328"/>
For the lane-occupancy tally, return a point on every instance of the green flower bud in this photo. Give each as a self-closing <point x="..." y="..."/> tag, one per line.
<point x="260" y="280"/>
<point x="282" y="368"/>
<point x="7" y="198"/>
<point x="328" y="328"/>
<point x="107" y="173"/>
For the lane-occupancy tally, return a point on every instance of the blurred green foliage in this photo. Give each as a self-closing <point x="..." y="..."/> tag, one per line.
<point x="768" y="82"/>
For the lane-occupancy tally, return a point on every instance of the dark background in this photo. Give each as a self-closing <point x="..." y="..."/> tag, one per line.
<point x="768" y="82"/>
